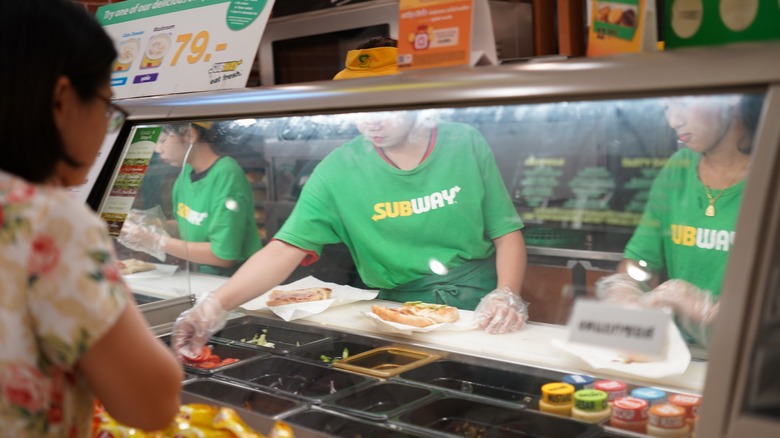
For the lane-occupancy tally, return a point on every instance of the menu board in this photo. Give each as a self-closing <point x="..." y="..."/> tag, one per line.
<point x="127" y="182"/>
<point x="175" y="46"/>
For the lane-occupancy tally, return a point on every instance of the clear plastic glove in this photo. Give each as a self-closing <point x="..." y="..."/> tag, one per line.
<point x="619" y="288"/>
<point x="194" y="327"/>
<point x="143" y="231"/>
<point x="687" y="300"/>
<point x="501" y="311"/>
<point x="695" y="309"/>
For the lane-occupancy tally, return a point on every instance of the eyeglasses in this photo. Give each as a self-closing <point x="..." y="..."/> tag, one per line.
<point x="115" y="115"/>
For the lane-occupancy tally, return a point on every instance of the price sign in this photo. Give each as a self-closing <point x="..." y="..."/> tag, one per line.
<point x="177" y="46"/>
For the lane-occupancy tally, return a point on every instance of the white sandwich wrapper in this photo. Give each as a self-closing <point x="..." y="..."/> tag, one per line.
<point x="340" y="295"/>
<point x="465" y="322"/>
<point x="675" y="360"/>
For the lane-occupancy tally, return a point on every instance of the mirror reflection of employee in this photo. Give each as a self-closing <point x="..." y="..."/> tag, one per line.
<point x="687" y="229"/>
<point x="212" y="204"/>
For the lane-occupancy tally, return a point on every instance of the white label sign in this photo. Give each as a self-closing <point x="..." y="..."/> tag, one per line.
<point x="629" y="329"/>
<point x="177" y="46"/>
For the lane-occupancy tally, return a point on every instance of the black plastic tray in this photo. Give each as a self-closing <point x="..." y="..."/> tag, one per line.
<point x="224" y="351"/>
<point x="381" y="401"/>
<point x="252" y="400"/>
<point x="285" y="339"/>
<point x="292" y="377"/>
<point x="513" y="387"/>
<point x="462" y="417"/>
<point x="341" y="426"/>
<point x="331" y="349"/>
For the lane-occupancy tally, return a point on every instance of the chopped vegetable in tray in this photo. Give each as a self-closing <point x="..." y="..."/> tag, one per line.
<point x="259" y="339"/>
<point x="328" y="359"/>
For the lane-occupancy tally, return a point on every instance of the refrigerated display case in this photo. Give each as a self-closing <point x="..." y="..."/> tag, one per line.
<point x="578" y="144"/>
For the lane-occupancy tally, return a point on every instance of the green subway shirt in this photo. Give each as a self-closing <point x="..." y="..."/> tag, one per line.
<point x="674" y="233"/>
<point x="398" y="223"/>
<point x="219" y="209"/>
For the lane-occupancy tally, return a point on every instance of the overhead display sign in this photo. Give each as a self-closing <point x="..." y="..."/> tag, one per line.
<point x="178" y="46"/>
<point x="622" y="26"/>
<point x="438" y="33"/>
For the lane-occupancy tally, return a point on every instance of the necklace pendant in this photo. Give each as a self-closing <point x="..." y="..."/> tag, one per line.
<point x="710" y="211"/>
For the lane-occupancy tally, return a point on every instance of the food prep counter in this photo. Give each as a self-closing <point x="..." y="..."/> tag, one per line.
<point x="578" y="145"/>
<point x="456" y="391"/>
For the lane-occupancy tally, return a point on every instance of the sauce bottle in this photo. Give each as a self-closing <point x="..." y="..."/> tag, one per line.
<point x="590" y="405"/>
<point x="579" y="381"/>
<point x="668" y="421"/>
<point x="557" y="398"/>
<point x="613" y="388"/>
<point x="629" y="413"/>
<point x="653" y="396"/>
<point x="691" y="405"/>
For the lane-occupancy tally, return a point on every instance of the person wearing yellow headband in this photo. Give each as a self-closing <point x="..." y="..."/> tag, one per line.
<point x="377" y="56"/>
<point x="212" y="204"/>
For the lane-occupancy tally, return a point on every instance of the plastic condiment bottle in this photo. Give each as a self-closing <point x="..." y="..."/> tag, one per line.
<point x="613" y="388"/>
<point x="691" y="405"/>
<point x="668" y="421"/>
<point x="557" y="398"/>
<point x="590" y="405"/>
<point x="629" y="413"/>
<point x="578" y="381"/>
<point x="653" y="396"/>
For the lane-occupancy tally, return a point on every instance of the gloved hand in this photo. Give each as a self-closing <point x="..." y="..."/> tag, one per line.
<point x="619" y="288"/>
<point x="687" y="300"/>
<point x="194" y="327"/>
<point x="695" y="309"/>
<point x="144" y="232"/>
<point x="501" y="311"/>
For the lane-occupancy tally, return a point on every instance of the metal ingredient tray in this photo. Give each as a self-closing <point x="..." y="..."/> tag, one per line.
<point x="224" y="351"/>
<point x="299" y="379"/>
<point x="381" y="401"/>
<point x="331" y="349"/>
<point x="285" y="339"/>
<point x="457" y="417"/>
<point x="517" y="388"/>
<point x="334" y="424"/>
<point x="385" y="362"/>
<point x="251" y="400"/>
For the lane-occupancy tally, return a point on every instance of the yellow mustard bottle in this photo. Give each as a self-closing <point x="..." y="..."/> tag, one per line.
<point x="557" y="398"/>
<point x="590" y="405"/>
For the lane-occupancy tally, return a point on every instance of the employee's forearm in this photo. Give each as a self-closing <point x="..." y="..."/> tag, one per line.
<point x="511" y="260"/>
<point x="196" y="252"/>
<point x="265" y="269"/>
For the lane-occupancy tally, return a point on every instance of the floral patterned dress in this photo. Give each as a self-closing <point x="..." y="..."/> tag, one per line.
<point x="60" y="291"/>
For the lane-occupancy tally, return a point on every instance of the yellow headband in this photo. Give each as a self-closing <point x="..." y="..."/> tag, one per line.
<point x="378" y="61"/>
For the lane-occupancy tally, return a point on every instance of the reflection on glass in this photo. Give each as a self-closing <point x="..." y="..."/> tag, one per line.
<point x="654" y="180"/>
<point x="212" y="217"/>
<point x="687" y="228"/>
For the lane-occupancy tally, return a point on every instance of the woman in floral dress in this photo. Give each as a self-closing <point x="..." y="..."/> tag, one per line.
<point x="69" y="329"/>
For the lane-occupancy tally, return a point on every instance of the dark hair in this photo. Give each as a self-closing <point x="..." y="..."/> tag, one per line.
<point x="750" y="110"/>
<point x="377" y="41"/>
<point x="211" y="135"/>
<point x="42" y="41"/>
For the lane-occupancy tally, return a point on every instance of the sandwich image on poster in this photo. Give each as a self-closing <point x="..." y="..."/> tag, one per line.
<point x="156" y="48"/>
<point x="127" y="52"/>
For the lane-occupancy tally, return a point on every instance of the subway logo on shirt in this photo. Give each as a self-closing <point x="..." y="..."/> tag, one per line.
<point x="424" y="204"/>
<point x="190" y="215"/>
<point x="704" y="238"/>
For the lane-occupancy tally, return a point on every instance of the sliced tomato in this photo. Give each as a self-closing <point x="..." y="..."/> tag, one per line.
<point x="227" y="361"/>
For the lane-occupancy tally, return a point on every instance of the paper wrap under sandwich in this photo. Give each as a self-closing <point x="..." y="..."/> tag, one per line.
<point x="340" y="295"/>
<point x="674" y="362"/>
<point x="466" y="321"/>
